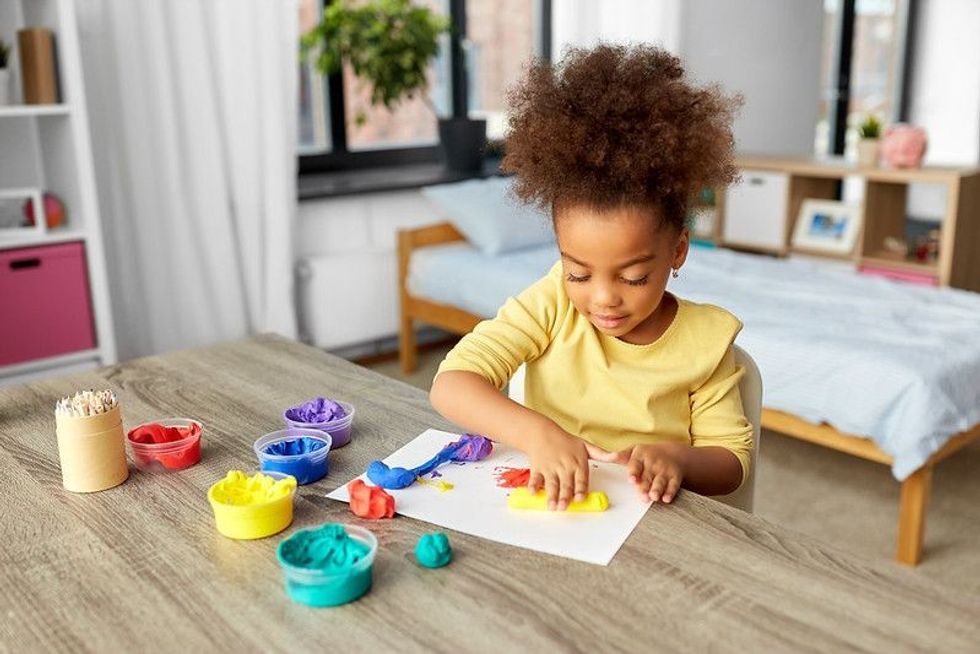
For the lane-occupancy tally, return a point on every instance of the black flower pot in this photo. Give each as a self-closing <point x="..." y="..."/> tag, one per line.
<point x="463" y="142"/>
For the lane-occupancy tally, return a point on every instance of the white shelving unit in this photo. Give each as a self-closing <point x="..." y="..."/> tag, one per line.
<point x="47" y="147"/>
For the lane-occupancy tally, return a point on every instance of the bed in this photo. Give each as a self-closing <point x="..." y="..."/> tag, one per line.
<point x="895" y="368"/>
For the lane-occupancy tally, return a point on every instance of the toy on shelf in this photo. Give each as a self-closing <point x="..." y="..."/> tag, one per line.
<point x="904" y="146"/>
<point x="54" y="211"/>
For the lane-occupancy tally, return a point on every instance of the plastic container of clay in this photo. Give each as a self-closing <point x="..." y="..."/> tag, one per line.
<point x="318" y="587"/>
<point x="339" y="429"/>
<point x="162" y="457"/>
<point x="309" y="464"/>
<point x="255" y="517"/>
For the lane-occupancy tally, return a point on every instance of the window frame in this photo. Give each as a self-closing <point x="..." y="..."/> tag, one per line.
<point x="837" y="115"/>
<point x="340" y="157"/>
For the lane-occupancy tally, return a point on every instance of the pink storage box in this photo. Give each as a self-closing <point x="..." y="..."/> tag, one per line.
<point x="923" y="279"/>
<point x="45" y="302"/>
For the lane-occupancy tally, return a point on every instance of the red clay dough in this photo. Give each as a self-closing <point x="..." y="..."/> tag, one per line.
<point x="512" y="477"/>
<point x="370" y="502"/>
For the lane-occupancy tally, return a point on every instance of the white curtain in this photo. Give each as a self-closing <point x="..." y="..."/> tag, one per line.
<point x="583" y="23"/>
<point x="192" y="106"/>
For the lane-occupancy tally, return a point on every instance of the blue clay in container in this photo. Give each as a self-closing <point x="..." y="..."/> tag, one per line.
<point x="329" y="565"/>
<point x="301" y="453"/>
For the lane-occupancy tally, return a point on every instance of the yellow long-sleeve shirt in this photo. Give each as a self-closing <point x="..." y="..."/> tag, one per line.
<point x="683" y="387"/>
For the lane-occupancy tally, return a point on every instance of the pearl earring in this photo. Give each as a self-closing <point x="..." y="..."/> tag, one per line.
<point x="675" y="274"/>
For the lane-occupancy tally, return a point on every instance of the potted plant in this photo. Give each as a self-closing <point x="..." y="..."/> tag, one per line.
<point x="870" y="133"/>
<point x="4" y="73"/>
<point x="389" y="44"/>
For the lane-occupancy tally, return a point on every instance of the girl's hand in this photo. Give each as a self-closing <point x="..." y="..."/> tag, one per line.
<point x="560" y="465"/>
<point x="656" y="471"/>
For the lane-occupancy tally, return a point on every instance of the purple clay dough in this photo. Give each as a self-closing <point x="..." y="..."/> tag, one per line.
<point x="472" y="447"/>
<point x="317" y="410"/>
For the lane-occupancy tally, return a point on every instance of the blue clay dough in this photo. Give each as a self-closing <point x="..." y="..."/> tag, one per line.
<point x="310" y="467"/>
<point x="396" y="478"/>
<point x="433" y="550"/>
<point x="294" y="446"/>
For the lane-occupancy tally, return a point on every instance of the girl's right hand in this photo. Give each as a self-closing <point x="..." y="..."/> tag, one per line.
<point x="560" y="465"/>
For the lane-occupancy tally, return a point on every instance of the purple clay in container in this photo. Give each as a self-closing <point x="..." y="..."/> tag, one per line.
<point x="332" y="416"/>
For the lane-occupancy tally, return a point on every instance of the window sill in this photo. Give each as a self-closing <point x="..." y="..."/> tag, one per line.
<point x="312" y="186"/>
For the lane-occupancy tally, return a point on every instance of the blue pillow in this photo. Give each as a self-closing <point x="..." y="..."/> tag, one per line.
<point x="489" y="217"/>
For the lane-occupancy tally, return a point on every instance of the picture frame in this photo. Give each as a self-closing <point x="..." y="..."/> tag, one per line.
<point x="13" y="223"/>
<point x="827" y="226"/>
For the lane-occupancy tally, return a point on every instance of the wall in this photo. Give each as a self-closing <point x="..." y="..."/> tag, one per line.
<point x="768" y="51"/>
<point x="583" y="23"/>
<point x="945" y="93"/>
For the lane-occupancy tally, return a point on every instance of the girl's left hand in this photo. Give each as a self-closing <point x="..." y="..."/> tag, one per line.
<point x="655" y="470"/>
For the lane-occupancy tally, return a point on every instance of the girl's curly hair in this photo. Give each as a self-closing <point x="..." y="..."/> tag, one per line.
<point x="617" y="126"/>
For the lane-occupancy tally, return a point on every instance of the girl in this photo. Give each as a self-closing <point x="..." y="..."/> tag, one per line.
<point x="613" y="141"/>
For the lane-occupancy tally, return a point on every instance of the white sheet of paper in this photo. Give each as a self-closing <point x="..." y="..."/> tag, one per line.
<point x="477" y="506"/>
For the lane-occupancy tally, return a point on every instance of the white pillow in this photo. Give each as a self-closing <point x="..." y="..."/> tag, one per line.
<point x="489" y="217"/>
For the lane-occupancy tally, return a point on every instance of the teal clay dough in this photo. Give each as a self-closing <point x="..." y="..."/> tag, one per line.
<point x="328" y="548"/>
<point x="331" y="556"/>
<point x="433" y="550"/>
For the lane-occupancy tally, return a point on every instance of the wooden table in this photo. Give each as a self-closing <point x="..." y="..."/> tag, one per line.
<point x="141" y="566"/>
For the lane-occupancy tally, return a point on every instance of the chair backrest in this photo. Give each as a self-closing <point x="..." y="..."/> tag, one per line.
<point x="750" y="388"/>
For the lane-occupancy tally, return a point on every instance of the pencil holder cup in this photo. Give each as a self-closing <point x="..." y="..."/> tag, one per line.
<point x="92" y="451"/>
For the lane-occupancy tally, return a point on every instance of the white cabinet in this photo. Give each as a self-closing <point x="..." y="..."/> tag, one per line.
<point x="755" y="211"/>
<point x="348" y="266"/>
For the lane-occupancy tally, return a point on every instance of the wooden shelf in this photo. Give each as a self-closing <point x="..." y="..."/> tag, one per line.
<point x="849" y="256"/>
<point x="886" y="259"/>
<point x="777" y="188"/>
<point x="57" y="235"/>
<point x="35" y="110"/>
<point x="18" y="373"/>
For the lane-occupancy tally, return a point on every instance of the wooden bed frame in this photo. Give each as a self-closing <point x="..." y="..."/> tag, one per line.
<point x="915" y="488"/>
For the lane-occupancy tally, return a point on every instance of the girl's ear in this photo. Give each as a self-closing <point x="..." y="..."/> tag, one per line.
<point x="681" y="248"/>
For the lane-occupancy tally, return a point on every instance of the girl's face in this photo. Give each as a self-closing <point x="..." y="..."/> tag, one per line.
<point x="616" y="264"/>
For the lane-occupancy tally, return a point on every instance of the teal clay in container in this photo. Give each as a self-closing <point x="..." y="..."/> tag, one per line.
<point x="328" y="565"/>
<point x="433" y="550"/>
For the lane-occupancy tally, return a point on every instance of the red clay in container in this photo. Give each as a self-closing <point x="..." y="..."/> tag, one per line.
<point x="172" y="444"/>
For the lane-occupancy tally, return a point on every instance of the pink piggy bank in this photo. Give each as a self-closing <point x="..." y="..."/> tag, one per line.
<point x="903" y="146"/>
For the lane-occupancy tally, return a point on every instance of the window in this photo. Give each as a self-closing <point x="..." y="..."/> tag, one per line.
<point x="869" y="40"/>
<point x="499" y="36"/>
<point x="314" y="108"/>
<point x="413" y="121"/>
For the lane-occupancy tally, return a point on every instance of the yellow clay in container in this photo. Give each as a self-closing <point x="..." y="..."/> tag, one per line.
<point x="252" y="507"/>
